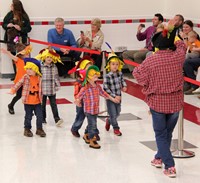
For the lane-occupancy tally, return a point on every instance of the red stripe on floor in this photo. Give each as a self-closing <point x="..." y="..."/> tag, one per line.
<point x="61" y="101"/>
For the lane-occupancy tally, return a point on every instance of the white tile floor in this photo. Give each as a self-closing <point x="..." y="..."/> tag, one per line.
<point x="61" y="158"/>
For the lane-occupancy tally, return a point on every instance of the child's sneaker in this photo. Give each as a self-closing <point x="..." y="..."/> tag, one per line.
<point x="107" y="126"/>
<point x="157" y="163"/>
<point x="86" y="138"/>
<point x="28" y="132"/>
<point x="40" y="132"/>
<point x="117" y="132"/>
<point x="170" y="172"/>
<point x="59" y="122"/>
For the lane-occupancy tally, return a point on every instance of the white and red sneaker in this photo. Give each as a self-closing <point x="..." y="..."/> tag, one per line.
<point x="117" y="132"/>
<point x="170" y="172"/>
<point x="157" y="163"/>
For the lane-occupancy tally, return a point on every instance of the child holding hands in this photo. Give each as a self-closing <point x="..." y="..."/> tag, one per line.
<point x="90" y="94"/>
<point x="80" y="70"/>
<point x="113" y="84"/>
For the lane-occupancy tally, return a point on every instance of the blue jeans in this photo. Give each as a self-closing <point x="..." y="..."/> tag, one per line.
<point x="29" y="114"/>
<point x="80" y="116"/>
<point x="53" y="105"/>
<point x="189" y="66"/>
<point x="163" y="125"/>
<point x="113" y="111"/>
<point x="92" y="125"/>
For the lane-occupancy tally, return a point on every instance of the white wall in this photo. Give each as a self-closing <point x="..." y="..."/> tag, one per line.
<point x="85" y="8"/>
<point x="189" y="9"/>
<point x="122" y="34"/>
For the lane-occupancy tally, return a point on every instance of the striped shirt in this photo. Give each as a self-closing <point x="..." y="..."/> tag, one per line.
<point x="113" y="83"/>
<point x="161" y="76"/>
<point x="50" y="79"/>
<point x="90" y="95"/>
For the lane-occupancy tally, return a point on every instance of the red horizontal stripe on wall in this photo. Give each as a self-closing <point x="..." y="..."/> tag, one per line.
<point x="115" y="21"/>
<point x="103" y="21"/>
<point x="142" y="20"/>
<point x="198" y="25"/>
<point x="1" y="23"/>
<point x="87" y="22"/>
<point x="45" y="23"/>
<point x="32" y="23"/>
<point x="73" y="22"/>
<point x="129" y="21"/>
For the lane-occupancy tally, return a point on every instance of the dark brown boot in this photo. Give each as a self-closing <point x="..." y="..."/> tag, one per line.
<point x="94" y="144"/>
<point x="85" y="137"/>
<point x="40" y="132"/>
<point x="28" y="132"/>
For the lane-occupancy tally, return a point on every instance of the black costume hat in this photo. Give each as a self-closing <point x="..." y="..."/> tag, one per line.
<point x="164" y="40"/>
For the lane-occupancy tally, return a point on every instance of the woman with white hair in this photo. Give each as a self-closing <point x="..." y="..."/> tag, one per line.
<point x="93" y="39"/>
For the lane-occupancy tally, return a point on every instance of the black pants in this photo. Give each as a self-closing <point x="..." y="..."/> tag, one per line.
<point x="68" y="64"/>
<point x="189" y="66"/>
<point x="14" y="66"/>
<point x="53" y="105"/>
<point x="17" y="97"/>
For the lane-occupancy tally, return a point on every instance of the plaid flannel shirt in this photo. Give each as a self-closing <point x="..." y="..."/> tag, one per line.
<point x="113" y="83"/>
<point x="25" y="81"/>
<point x="161" y="76"/>
<point x="90" y="95"/>
<point x="50" y="79"/>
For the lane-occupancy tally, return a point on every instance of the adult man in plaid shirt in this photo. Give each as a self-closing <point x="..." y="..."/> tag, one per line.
<point x="162" y="80"/>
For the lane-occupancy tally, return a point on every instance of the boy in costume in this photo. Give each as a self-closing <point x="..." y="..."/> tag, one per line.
<point x="113" y="84"/>
<point x="31" y="96"/>
<point x="90" y="95"/>
<point x="50" y="82"/>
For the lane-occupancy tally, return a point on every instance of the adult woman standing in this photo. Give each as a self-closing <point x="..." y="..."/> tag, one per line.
<point x="93" y="39"/>
<point x="16" y="23"/>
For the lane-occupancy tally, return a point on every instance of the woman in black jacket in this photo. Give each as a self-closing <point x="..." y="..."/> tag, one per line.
<point x="16" y="23"/>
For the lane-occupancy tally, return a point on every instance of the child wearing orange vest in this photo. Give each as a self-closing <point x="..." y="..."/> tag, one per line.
<point x="31" y="96"/>
<point x="22" y="52"/>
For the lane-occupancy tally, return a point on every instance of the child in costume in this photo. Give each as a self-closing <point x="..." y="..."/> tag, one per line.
<point x="80" y="70"/>
<point x="113" y="84"/>
<point x="193" y="44"/>
<point x="22" y="52"/>
<point x="50" y="81"/>
<point x="31" y="96"/>
<point x="90" y="94"/>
